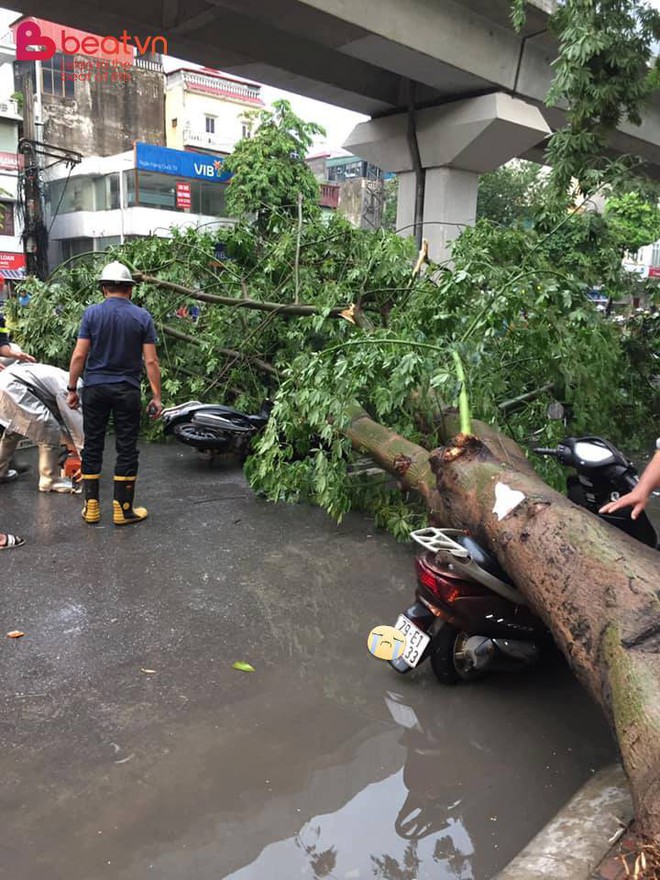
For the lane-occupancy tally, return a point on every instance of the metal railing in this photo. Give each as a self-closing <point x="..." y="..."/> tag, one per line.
<point x="208" y="140"/>
<point x="329" y="195"/>
<point x="224" y="86"/>
<point x="143" y="63"/>
<point x="10" y="107"/>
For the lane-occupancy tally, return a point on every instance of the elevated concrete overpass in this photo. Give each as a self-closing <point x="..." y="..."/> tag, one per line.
<point x="475" y="81"/>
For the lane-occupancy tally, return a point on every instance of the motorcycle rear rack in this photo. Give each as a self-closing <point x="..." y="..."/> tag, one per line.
<point x="439" y="541"/>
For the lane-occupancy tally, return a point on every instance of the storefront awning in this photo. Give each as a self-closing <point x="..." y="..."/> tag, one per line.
<point x="12" y="274"/>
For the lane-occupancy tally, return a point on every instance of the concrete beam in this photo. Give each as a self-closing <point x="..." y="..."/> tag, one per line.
<point x="457" y="142"/>
<point x="476" y="135"/>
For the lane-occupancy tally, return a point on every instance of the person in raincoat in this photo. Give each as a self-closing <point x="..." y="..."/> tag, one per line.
<point x="33" y="405"/>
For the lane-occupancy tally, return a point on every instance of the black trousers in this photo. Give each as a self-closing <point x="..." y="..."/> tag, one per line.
<point x="121" y="400"/>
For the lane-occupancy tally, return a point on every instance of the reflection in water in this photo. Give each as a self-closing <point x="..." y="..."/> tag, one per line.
<point x="478" y="780"/>
<point x="322" y="861"/>
<point x="408" y="826"/>
<point x="357" y="842"/>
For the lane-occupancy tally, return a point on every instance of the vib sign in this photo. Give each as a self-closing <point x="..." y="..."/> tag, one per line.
<point x="179" y="163"/>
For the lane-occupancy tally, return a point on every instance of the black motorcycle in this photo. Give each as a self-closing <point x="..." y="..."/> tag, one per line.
<point x="213" y="428"/>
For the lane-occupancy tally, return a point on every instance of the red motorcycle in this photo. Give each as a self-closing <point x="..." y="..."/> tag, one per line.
<point x="468" y="617"/>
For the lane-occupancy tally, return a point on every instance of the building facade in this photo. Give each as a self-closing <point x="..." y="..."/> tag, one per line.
<point x="353" y="186"/>
<point x="207" y="111"/>
<point x="142" y="192"/>
<point x="97" y="105"/>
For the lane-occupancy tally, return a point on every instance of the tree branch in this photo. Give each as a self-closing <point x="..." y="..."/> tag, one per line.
<point x="264" y="366"/>
<point x="244" y="303"/>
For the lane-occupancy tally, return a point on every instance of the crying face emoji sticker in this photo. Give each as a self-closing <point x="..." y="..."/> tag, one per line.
<point x="386" y="643"/>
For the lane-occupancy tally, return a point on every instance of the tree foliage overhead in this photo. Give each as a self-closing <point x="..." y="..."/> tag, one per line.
<point x="510" y="195"/>
<point x="519" y="322"/>
<point x="603" y="76"/>
<point x="270" y="173"/>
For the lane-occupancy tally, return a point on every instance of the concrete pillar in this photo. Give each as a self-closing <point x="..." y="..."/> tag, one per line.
<point x="457" y="143"/>
<point x="450" y="204"/>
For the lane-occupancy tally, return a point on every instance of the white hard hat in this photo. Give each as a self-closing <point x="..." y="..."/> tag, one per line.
<point x="116" y="273"/>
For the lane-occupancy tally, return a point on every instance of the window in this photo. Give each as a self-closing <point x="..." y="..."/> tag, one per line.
<point x="73" y="247"/>
<point x="103" y="243"/>
<point x="106" y="192"/>
<point x="57" y="76"/>
<point x="655" y="254"/>
<point x="175" y="122"/>
<point x="6" y="218"/>
<point x="156" y="191"/>
<point x="246" y="130"/>
<point x="75" y="194"/>
<point x="210" y="124"/>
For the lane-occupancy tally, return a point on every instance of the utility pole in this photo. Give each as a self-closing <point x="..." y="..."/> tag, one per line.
<point x="31" y="200"/>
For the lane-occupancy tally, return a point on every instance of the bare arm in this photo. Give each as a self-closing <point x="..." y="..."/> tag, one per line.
<point x="76" y="367"/>
<point x="153" y="375"/>
<point x="6" y="351"/>
<point x="639" y="496"/>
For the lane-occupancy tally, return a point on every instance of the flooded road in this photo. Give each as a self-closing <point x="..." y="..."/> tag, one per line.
<point x="132" y="749"/>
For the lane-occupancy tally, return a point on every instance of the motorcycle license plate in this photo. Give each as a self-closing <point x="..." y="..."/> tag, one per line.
<point x="416" y="640"/>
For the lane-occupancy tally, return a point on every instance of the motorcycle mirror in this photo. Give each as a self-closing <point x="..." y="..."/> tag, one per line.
<point x="556" y="411"/>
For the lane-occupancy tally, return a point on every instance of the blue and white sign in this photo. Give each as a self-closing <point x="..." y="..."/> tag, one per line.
<point x="179" y="163"/>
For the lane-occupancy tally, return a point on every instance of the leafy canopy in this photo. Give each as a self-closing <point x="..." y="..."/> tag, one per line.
<point x="604" y="74"/>
<point x="270" y="171"/>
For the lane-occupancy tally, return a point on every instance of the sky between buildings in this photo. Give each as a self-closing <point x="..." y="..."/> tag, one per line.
<point x="336" y="121"/>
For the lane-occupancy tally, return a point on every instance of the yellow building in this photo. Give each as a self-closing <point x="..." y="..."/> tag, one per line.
<point x="205" y="110"/>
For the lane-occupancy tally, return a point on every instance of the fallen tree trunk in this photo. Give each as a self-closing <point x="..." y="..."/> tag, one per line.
<point x="596" y="589"/>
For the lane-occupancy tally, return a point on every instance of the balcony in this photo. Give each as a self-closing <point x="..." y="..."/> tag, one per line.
<point x="219" y="86"/>
<point x="329" y="195"/>
<point x="204" y="140"/>
<point x="10" y="109"/>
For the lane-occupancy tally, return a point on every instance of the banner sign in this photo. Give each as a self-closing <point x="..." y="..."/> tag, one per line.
<point x="11" y="161"/>
<point x="179" y="163"/>
<point x="183" y="196"/>
<point x="11" y="261"/>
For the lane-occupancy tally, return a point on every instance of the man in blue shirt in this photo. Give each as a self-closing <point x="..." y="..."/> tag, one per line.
<point x="115" y="339"/>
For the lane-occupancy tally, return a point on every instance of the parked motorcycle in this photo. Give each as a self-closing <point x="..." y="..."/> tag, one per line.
<point x="213" y="428"/>
<point x="468" y="617"/>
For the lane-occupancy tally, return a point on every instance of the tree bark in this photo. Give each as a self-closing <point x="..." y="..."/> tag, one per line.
<point x="596" y="589"/>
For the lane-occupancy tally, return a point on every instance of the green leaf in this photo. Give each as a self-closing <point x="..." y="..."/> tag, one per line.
<point x="242" y="666"/>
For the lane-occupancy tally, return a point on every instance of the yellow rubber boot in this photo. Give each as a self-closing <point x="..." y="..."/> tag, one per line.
<point x="91" y="512"/>
<point x="124" y="513"/>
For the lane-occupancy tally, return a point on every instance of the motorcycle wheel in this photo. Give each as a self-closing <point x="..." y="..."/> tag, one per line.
<point x="200" y="438"/>
<point x="446" y="660"/>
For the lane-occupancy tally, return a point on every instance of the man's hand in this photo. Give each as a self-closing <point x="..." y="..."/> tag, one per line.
<point x="25" y="358"/>
<point x="154" y="408"/>
<point x="72" y="399"/>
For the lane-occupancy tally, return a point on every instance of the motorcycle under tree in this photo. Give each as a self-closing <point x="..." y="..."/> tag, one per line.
<point x="468" y="617"/>
<point x="213" y="428"/>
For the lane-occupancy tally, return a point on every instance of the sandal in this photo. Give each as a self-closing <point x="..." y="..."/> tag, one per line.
<point x="11" y="541"/>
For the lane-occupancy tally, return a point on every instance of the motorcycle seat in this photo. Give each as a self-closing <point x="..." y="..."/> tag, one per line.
<point x="483" y="559"/>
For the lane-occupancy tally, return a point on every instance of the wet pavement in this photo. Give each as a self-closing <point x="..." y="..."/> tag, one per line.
<point x="130" y="747"/>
